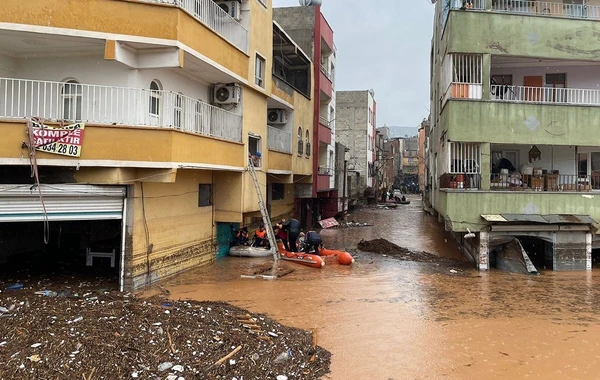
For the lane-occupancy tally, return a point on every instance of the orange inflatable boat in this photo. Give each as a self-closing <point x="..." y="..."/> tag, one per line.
<point x="343" y="258"/>
<point x="314" y="261"/>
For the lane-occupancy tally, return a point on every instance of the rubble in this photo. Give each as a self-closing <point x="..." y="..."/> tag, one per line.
<point x="387" y="248"/>
<point x="111" y="335"/>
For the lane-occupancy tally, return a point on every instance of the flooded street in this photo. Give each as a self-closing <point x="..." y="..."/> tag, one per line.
<point x="388" y="319"/>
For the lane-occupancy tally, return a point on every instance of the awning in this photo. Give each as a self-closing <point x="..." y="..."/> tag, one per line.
<point x="21" y="203"/>
<point x="539" y="219"/>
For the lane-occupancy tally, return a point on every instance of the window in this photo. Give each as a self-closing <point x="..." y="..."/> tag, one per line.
<point x="556" y="80"/>
<point x="71" y="100"/>
<point x="254" y="150"/>
<point x="465" y="158"/>
<point x="307" y="143"/>
<point x="259" y="71"/>
<point x="300" y="144"/>
<point x="155" y="95"/>
<point x="512" y="156"/>
<point x="204" y="195"/>
<point x="177" y="111"/>
<point x="277" y="191"/>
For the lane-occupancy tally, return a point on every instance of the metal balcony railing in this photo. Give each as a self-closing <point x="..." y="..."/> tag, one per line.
<point x="326" y="73"/>
<point x="525" y="94"/>
<point x="213" y="17"/>
<point x="323" y="170"/>
<point x="531" y="7"/>
<point x="324" y="121"/>
<point x="547" y="8"/>
<point x="545" y="182"/>
<point x="279" y="140"/>
<point x="75" y="102"/>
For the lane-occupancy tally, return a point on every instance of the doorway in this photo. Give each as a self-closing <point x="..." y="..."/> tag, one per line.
<point x="533" y="94"/>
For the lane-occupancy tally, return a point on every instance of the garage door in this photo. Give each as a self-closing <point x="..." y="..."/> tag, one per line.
<point x="21" y="203"/>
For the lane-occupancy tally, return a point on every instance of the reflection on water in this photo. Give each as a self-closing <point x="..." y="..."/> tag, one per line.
<point x="386" y="319"/>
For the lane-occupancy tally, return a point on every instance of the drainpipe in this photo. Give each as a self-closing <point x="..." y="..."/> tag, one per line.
<point x="344" y="189"/>
<point x="123" y="241"/>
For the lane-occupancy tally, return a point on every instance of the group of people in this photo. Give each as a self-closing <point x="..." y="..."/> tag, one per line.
<point x="288" y="231"/>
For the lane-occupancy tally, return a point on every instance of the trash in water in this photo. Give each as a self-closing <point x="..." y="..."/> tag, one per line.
<point x="16" y="286"/>
<point x="164" y="366"/>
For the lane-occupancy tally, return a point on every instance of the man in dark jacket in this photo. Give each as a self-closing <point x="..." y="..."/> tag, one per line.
<point x="313" y="241"/>
<point x="292" y="227"/>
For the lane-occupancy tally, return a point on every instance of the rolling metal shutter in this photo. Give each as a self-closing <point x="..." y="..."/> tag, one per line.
<point x="21" y="203"/>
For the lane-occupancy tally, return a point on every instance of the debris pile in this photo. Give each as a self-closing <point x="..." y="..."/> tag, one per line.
<point x="103" y="334"/>
<point x="387" y="248"/>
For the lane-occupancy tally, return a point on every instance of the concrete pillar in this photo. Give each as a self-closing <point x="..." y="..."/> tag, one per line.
<point x="485" y="165"/>
<point x="486" y="77"/>
<point x="588" y="251"/>
<point x="483" y="260"/>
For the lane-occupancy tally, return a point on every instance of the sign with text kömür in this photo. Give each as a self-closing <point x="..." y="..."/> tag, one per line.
<point x="65" y="140"/>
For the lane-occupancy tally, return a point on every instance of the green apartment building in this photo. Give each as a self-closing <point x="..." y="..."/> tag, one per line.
<point x="513" y="147"/>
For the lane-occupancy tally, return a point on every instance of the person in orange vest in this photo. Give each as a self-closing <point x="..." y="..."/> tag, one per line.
<point x="260" y="237"/>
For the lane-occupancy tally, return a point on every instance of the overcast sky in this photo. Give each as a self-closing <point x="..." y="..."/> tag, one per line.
<point x="383" y="45"/>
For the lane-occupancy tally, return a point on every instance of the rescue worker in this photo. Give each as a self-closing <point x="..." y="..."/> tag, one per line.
<point x="260" y="237"/>
<point x="292" y="227"/>
<point x="242" y="236"/>
<point x="282" y="235"/>
<point x="313" y="241"/>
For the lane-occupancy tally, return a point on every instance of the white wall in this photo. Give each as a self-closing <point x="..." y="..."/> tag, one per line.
<point x="561" y="158"/>
<point x="583" y="76"/>
<point x="8" y="66"/>
<point x="96" y="70"/>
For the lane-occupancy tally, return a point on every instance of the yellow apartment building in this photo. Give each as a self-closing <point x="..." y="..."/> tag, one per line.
<point x="138" y="118"/>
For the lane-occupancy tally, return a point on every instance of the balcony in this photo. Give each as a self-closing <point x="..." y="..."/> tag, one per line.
<point x="537" y="8"/>
<point x="279" y="140"/>
<point x="546" y="95"/>
<point x="545" y="182"/>
<point x="94" y="104"/>
<point x="324" y="130"/>
<point x="323" y="170"/>
<point x="213" y="17"/>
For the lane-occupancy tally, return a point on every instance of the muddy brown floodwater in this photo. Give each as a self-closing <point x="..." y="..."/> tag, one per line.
<point x="388" y="319"/>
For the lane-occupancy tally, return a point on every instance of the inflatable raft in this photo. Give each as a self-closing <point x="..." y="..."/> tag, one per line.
<point x="308" y="259"/>
<point x="343" y="257"/>
<point x="248" y="251"/>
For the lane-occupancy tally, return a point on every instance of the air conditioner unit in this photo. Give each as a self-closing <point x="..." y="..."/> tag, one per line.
<point x="226" y="93"/>
<point x="276" y="117"/>
<point x="232" y="8"/>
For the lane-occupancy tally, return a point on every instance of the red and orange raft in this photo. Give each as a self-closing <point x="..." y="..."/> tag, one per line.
<point x="313" y="260"/>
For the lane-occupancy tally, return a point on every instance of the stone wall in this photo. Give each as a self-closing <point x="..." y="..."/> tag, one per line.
<point x="352" y="120"/>
<point x="299" y="23"/>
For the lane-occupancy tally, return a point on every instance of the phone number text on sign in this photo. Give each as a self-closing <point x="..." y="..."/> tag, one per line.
<point x="65" y="140"/>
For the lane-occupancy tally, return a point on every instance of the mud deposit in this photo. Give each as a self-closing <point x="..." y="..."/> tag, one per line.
<point x="104" y="335"/>
<point x="385" y="247"/>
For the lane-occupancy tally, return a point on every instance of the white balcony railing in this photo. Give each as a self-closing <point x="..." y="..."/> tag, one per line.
<point x="546" y="8"/>
<point x="326" y="73"/>
<point x="215" y="18"/>
<point x="531" y="7"/>
<point x="279" y="140"/>
<point x="545" y="95"/>
<point x="323" y="120"/>
<point x="71" y="102"/>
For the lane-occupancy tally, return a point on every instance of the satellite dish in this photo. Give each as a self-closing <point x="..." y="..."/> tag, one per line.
<point x="308" y="3"/>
